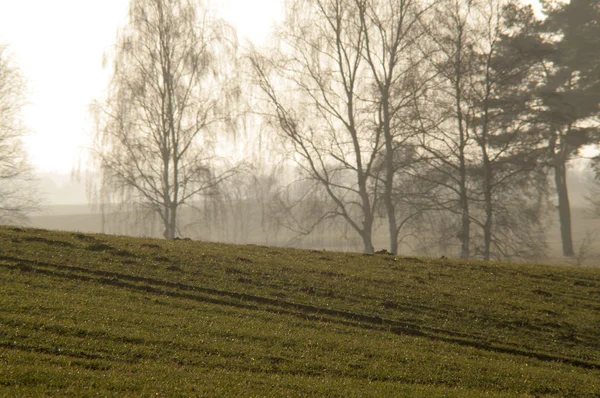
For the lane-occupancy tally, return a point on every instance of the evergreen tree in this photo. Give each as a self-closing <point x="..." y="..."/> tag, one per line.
<point x="570" y="94"/>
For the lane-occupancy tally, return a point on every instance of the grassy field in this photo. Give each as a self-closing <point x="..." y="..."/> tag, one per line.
<point x="86" y="315"/>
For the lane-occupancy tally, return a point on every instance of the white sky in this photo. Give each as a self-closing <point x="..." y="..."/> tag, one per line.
<point x="58" y="44"/>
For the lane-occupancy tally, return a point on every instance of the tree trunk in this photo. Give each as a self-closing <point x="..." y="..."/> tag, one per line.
<point x="487" y="195"/>
<point x="367" y="231"/>
<point x="169" y="220"/>
<point x="389" y="178"/>
<point x="169" y="232"/>
<point x="564" y="208"/>
<point x="392" y="226"/>
<point x="487" y="227"/>
<point x="367" y="235"/>
<point x="465" y="230"/>
<point x="173" y="221"/>
<point x="464" y="234"/>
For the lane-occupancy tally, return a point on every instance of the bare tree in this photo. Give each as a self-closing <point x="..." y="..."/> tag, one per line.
<point x="316" y="97"/>
<point x="504" y="127"/>
<point x="391" y="30"/>
<point x="18" y="196"/>
<point x="478" y="136"/>
<point x="445" y="113"/>
<point x="168" y="94"/>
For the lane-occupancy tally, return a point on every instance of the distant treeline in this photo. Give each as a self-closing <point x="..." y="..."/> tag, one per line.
<point x="444" y="126"/>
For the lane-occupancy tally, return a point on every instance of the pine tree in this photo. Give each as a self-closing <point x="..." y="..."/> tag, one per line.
<point x="570" y="94"/>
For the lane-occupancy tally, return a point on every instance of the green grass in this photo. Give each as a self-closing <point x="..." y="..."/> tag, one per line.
<point x="85" y="315"/>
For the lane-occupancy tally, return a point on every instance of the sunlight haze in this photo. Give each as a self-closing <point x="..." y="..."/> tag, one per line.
<point x="59" y="47"/>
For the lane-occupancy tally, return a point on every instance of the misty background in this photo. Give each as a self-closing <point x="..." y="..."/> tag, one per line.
<point x="67" y="207"/>
<point x="249" y="189"/>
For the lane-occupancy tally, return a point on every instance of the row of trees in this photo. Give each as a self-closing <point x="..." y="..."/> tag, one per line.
<point x="454" y="108"/>
<point x="442" y="119"/>
<point x="445" y="115"/>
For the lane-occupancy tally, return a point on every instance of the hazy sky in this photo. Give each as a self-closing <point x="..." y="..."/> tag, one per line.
<point x="59" y="46"/>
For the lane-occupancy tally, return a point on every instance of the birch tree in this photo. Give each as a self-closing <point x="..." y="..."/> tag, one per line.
<point x="483" y="144"/>
<point x="392" y="29"/>
<point x="445" y="113"/>
<point x="167" y="101"/>
<point x="316" y="98"/>
<point x="18" y="195"/>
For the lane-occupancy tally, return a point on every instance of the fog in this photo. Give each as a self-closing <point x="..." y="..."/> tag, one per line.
<point x="442" y="128"/>
<point x="68" y="207"/>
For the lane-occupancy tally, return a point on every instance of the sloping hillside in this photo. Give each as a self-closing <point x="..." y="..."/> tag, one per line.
<point x="86" y="314"/>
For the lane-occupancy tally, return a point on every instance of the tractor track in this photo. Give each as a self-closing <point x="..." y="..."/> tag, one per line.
<point x="277" y="306"/>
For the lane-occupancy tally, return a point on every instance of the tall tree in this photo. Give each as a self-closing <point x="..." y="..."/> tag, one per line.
<point x="18" y="196"/>
<point x="155" y="141"/>
<point x="571" y="92"/>
<point x="316" y="98"/>
<point x="504" y="128"/>
<point x="391" y="29"/>
<point x="445" y="114"/>
<point x="478" y="138"/>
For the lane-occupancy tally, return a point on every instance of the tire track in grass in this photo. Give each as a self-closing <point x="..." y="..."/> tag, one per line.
<point x="278" y="306"/>
<point x="61" y="352"/>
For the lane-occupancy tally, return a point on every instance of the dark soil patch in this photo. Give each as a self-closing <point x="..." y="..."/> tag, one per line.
<point x="50" y="242"/>
<point x="232" y="270"/>
<point x="100" y="247"/>
<point x="174" y="268"/>
<point x="413" y="260"/>
<point x="584" y="283"/>
<point x="84" y="237"/>
<point x="331" y="274"/>
<point x="308" y="290"/>
<point x="542" y="293"/>
<point x="121" y="253"/>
